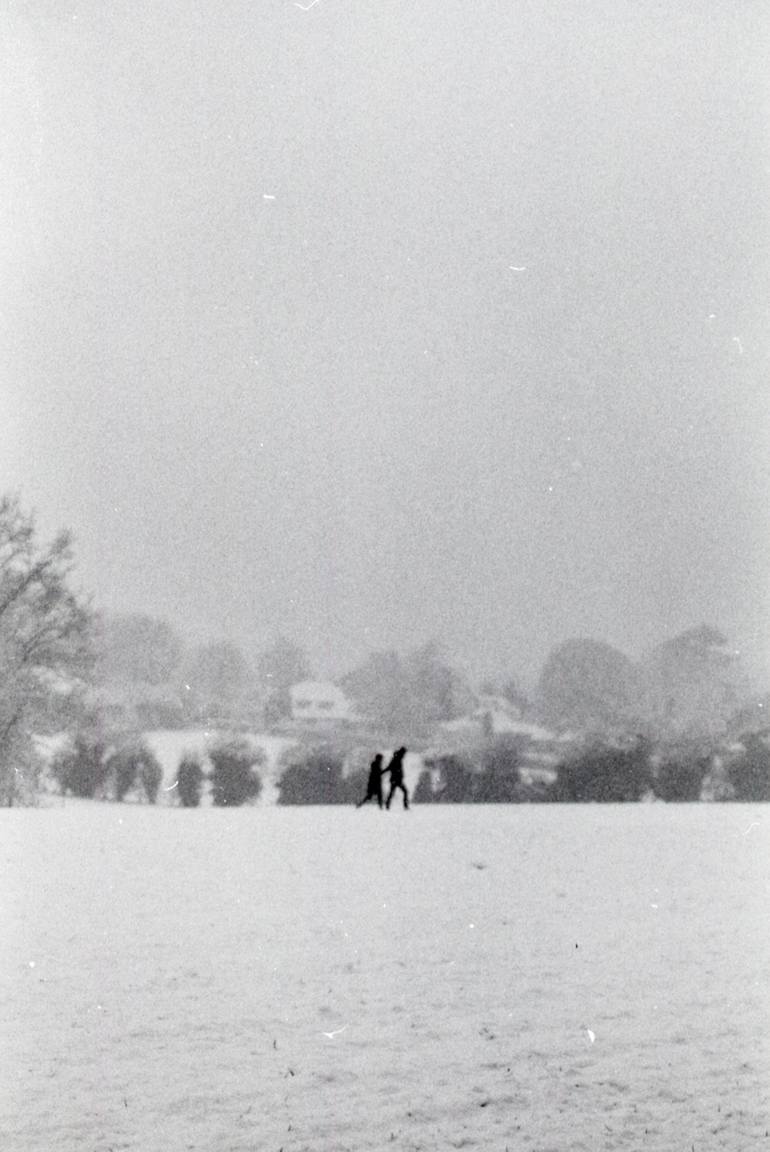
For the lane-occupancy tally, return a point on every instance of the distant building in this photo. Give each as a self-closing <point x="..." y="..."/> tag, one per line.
<point x="319" y="704"/>
<point x="494" y="718"/>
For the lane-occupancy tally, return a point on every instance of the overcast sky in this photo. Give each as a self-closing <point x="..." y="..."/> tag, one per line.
<point x="394" y="319"/>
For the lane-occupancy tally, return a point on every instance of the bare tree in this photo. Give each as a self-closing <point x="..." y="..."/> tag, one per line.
<point x="45" y="641"/>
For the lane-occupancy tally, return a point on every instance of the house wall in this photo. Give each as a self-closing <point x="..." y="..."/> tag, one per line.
<point x="315" y="702"/>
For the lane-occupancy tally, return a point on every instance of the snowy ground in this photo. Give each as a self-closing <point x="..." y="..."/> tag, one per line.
<point x="525" y="977"/>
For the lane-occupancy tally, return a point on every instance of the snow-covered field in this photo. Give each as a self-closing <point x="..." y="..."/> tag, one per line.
<point x="525" y="977"/>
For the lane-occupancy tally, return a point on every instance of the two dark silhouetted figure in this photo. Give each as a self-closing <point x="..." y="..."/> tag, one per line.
<point x="376" y="773"/>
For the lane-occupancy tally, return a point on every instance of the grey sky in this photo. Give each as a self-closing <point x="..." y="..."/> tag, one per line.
<point x="391" y="320"/>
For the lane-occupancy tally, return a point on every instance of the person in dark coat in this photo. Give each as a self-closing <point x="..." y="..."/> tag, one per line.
<point x="396" y="769"/>
<point x="374" y="783"/>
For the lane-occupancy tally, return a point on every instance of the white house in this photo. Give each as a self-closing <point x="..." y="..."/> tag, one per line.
<point x="317" y="703"/>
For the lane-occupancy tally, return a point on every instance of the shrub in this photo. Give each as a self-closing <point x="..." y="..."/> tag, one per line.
<point x="354" y="785"/>
<point x="122" y="767"/>
<point x="233" y="779"/>
<point x="151" y="776"/>
<point x="680" y="779"/>
<point x="189" y="781"/>
<point x="81" y="768"/>
<point x="456" y="780"/>
<point x="315" y="777"/>
<point x="423" y="791"/>
<point x="717" y="786"/>
<point x="498" y="782"/>
<point x="749" y="773"/>
<point x="605" y="774"/>
<point x="134" y="763"/>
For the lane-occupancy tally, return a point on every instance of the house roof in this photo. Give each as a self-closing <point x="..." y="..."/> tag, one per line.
<point x="316" y="688"/>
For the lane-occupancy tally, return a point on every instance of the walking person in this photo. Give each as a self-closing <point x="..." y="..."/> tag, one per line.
<point x="374" y="783"/>
<point x="396" y="769"/>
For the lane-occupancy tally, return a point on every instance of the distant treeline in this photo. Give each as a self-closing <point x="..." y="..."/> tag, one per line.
<point x="496" y="775"/>
<point x="603" y="774"/>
